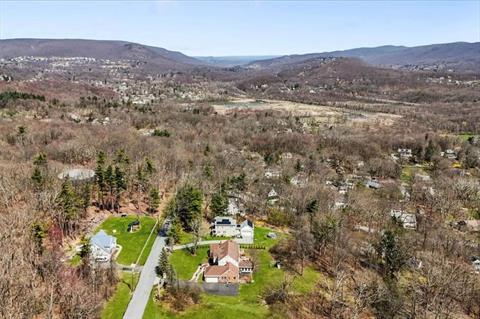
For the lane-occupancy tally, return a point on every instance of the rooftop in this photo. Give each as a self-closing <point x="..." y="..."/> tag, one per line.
<point x="77" y="174"/>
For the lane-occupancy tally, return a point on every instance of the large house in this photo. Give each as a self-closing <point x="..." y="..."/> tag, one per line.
<point x="224" y="226"/>
<point x="102" y="246"/>
<point x="227" y="226"/>
<point x="226" y="264"/>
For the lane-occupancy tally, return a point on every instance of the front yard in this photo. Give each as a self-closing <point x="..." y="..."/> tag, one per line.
<point x="132" y="243"/>
<point x="247" y="304"/>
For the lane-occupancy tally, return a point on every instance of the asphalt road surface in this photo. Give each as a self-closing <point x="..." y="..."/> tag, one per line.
<point x="139" y="300"/>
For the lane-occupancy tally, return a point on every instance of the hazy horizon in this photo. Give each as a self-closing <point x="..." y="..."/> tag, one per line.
<point x="253" y="28"/>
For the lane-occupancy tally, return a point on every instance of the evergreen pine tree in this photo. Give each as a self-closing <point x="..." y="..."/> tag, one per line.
<point x="37" y="178"/>
<point x="429" y="151"/>
<point x="119" y="178"/>
<point x="189" y="201"/>
<point x="149" y="167"/>
<point x="153" y="200"/>
<point x="39" y="174"/>
<point x="219" y="203"/>
<point x="175" y="231"/>
<point x="391" y="254"/>
<point x="67" y="202"/>
<point x="163" y="263"/>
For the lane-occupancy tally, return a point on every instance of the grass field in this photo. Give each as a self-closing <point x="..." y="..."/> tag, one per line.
<point x="247" y="304"/>
<point x="117" y="304"/>
<point x="132" y="243"/>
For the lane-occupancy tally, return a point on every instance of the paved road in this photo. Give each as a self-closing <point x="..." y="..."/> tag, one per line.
<point x="139" y="300"/>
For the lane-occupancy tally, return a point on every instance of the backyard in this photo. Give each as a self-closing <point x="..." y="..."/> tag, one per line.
<point x="132" y="243"/>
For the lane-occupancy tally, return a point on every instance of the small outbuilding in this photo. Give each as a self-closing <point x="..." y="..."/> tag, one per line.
<point x="272" y="235"/>
<point x="77" y="174"/>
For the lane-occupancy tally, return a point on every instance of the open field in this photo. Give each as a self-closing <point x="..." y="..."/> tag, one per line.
<point x="319" y="113"/>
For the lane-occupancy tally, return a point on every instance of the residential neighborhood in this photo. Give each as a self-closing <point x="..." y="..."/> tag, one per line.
<point x="240" y="159"/>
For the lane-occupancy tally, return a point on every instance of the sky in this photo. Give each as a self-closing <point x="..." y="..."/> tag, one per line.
<point x="222" y="28"/>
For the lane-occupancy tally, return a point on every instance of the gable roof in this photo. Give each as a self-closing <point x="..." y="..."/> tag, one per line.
<point x="272" y="193"/>
<point x="246" y="223"/>
<point x="227" y="248"/>
<point x="245" y="264"/>
<point x="217" y="271"/>
<point x="103" y="241"/>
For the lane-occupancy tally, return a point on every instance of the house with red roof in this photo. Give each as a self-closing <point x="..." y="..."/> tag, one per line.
<point x="226" y="264"/>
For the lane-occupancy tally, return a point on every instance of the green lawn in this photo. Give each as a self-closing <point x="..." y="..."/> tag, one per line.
<point x="247" y="304"/>
<point x="132" y="243"/>
<point x="262" y="239"/>
<point x="185" y="238"/>
<point x="185" y="264"/>
<point x="117" y="304"/>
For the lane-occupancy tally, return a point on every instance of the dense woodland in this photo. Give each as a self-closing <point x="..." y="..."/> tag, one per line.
<point x="201" y="157"/>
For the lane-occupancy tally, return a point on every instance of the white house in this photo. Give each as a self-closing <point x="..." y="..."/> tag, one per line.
<point x="224" y="226"/>
<point x="404" y="152"/>
<point x="272" y="197"/>
<point x="450" y="154"/>
<point x="476" y="265"/>
<point x="245" y="229"/>
<point x="408" y="220"/>
<point x="102" y="246"/>
<point x="299" y="180"/>
<point x="273" y="173"/>
<point x="228" y="227"/>
<point x="373" y="183"/>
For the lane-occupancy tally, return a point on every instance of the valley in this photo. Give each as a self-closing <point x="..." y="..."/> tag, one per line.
<point x="306" y="186"/>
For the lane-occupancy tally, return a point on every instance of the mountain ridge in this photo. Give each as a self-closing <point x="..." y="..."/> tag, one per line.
<point x="99" y="49"/>
<point x="462" y="56"/>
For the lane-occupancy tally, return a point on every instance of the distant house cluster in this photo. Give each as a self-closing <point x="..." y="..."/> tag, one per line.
<point x="226" y="265"/>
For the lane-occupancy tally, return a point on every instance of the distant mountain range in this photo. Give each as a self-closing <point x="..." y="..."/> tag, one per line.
<point x="460" y="56"/>
<point x="228" y="61"/>
<point x="99" y="49"/>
